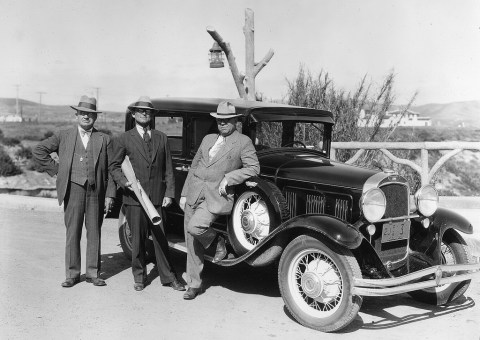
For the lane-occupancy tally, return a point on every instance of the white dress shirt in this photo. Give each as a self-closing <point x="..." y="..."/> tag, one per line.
<point x="85" y="135"/>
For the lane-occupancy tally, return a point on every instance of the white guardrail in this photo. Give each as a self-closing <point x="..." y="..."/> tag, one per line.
<point x="426" y="173"/>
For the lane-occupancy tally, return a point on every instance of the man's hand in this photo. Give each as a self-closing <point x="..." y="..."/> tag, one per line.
<point x="183" y="200"/>
<point x="222" y="189"/>
<point x="128" y="185"/>
<point x="108" y="204"/>
<point x="166" y="202"/>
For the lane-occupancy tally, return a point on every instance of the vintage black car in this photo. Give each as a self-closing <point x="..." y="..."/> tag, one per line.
<point x="336" y="232"/>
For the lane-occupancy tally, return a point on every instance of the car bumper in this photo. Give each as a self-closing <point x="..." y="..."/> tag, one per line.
<point x="422" y="279"/>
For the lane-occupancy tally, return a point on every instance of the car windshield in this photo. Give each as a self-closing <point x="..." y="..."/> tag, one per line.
<point x="289" y="134"/>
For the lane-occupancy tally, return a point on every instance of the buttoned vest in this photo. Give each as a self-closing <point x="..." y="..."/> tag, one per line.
<point x="82" y="163"/>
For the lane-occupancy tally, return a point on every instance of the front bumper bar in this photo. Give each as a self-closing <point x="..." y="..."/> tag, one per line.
<point x="425" y="278"/>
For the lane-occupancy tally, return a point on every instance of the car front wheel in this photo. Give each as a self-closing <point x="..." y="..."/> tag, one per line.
<point x="454" y="251"/>
<point x="316" y="282"/>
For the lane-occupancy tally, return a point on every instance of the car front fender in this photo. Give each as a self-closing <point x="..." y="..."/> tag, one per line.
<point x="336" y="230"/>
<point x="329" y="227"/>
<point x="445" y="219"/>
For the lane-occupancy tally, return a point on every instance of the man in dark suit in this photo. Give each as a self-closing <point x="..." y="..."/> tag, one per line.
<point x="83" y="185"/>
<point x="223" y="160"/>
<point x="149" y="154"/>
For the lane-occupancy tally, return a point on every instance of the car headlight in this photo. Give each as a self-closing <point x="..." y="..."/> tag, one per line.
<point x="426" y="200"/>
<point x="373" y="204"/>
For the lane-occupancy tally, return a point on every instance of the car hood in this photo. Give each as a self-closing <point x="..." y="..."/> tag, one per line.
<point x="309" y="166"/>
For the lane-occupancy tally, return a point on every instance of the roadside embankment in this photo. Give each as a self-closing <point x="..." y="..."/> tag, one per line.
<point x="468" y="207"/>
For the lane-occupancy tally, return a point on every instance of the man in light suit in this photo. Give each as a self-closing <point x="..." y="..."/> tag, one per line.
<point x="83" y="185"/>
<point x="222" y="161"/>
<point x="149" y="153"/>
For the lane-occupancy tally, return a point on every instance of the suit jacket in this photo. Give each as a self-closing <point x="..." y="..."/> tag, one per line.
<point x="63" y="143"/>
<point x="155" y="174"/>
<point x="236" y="161"/>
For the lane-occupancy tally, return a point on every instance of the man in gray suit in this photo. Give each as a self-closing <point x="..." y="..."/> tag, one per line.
<point x="83" y="185"/>
<point x="222" y="161"/>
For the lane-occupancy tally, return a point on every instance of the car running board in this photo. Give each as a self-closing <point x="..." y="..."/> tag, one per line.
<point x="178" y="243"/>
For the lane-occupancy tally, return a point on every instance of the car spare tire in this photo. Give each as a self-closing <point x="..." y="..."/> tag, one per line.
<point x="258" y="209"/>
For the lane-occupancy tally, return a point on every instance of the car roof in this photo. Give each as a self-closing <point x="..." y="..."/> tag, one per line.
<point x="258" y="111"/>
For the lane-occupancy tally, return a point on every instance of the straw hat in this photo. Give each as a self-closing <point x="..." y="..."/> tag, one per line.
<point x="225" y="110"/>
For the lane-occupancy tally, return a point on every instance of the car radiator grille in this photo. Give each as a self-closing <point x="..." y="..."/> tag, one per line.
<point x="397" y="197"/>
<point x="393" y="254"/>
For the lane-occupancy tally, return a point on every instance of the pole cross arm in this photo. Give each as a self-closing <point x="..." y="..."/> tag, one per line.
<point x="263" y="62"/>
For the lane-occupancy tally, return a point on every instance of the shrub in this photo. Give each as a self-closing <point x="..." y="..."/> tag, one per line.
<point x="32" y="165"/>
<point x="320" y="92"/>
<point x="11" y="141"/>
<point x="7" y="167"/>
<point x="48" y="134"/>
<point x="105" y="131"/>
<point x="24" y="152"/>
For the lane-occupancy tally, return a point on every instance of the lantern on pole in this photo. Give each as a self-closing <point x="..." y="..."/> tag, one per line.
<point x="216" y="56"/>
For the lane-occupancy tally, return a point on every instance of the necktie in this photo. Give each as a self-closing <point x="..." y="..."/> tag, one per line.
<point x="85" y="135"/>
<point x="147" y="139"/>
<point x="216" y="147"/>
<point x="146" y="136"/>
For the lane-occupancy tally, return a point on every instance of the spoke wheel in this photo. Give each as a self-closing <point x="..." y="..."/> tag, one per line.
<point x="316" y="280"/>
<point x="251" y="221"/>
<point x="256" y="213"/>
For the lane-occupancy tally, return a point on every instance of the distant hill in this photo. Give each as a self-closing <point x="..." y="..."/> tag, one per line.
<point x="446" y="115"/>
<point x="46" y="113"/>
<point x="456" y="114"/>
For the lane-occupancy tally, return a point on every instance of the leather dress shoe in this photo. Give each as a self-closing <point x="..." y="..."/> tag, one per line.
<point x="70" y="282"/>
<point x="175" y="284"/>
<point x="138" y="286"/>
<point x="221" y="250"/>
<point x="191" y="293"/>
<point x="96" y="281"/>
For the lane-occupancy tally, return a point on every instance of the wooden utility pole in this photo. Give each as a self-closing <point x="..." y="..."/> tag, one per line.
<point x="245" y="83"/>
<point x="40" y="108"/>
<point x="17" y="111"/>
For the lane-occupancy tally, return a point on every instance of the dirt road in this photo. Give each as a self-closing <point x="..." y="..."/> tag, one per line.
<point x="240" y="302"/>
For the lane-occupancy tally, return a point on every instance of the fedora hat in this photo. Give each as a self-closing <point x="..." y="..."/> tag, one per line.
<point x="87" y="104"/>
<point x="143" y="102"/>
<point x="225" y="110"/>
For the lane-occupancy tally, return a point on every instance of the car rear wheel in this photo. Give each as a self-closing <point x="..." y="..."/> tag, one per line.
<point x="316" y="282"/>
<point x="256" y="212"/>
<point x="454" y="251"/>
<point x="125" y="236"/>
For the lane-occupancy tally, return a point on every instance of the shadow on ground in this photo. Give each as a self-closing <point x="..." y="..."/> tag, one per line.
<point x="378" y="307"/>
<point x="112" y="264"/>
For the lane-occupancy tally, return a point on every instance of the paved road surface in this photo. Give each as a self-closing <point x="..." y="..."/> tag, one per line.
<point x="240" y="302"/>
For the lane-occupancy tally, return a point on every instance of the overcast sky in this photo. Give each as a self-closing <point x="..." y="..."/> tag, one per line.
<point x="67" y="48"/>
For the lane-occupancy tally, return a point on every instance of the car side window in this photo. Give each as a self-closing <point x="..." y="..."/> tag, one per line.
<point x="172" y="127"/>
<point x="200" y="128"/>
